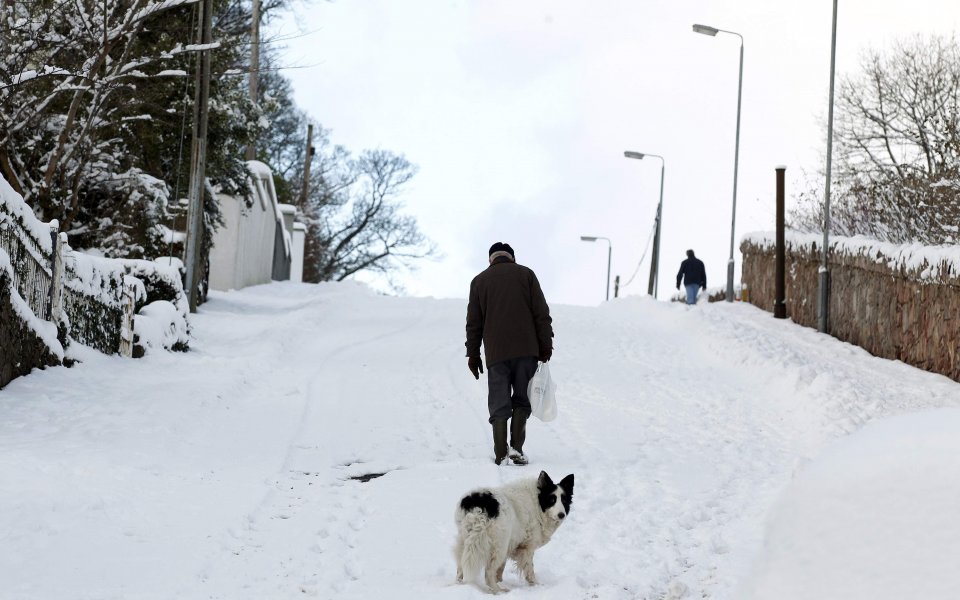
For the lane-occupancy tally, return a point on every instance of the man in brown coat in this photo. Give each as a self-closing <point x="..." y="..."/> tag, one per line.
<point x="508" y="313"/>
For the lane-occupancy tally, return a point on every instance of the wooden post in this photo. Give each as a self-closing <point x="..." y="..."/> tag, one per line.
<point x="126" y="330"/>
<point x="779" y="305"/>
<point x="254" y="66"/>
<point x="56" y="274"/>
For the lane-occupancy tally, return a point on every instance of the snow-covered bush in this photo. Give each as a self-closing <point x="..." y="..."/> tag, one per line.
<point x="159" y="326"/>
<point x="161" y="321"/>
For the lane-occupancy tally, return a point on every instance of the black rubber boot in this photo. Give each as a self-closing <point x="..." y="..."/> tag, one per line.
<point x="499" y="440"/>
<point x="518" y="435"/>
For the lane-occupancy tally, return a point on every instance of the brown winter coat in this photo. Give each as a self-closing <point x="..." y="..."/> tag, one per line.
<point x="508" y="313"/>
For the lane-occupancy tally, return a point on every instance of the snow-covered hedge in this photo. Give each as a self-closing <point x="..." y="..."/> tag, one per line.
<point x="93" y="300"/>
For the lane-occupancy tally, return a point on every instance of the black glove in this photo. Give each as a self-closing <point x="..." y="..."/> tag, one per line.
<point x="678" y="286"/>
<point x="475" y="365"/>
<point x="545" y="355"/>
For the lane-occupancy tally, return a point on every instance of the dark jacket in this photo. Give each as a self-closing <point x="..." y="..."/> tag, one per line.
<point x="692" y="272"/>
<point x="508" y="313"/>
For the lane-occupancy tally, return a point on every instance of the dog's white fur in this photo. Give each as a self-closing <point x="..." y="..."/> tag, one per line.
<point x="520" y="527"/>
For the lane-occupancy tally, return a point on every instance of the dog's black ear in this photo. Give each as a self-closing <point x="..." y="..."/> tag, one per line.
<point x="545" y="481"/>
<point x="567" y="484"/>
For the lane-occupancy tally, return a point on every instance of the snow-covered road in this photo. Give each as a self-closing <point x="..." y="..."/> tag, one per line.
<point x="228" y="472"/>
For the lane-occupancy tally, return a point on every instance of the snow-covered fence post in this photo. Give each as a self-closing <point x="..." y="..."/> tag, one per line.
<point x="126" y="327"/>
<point x="56" y="272"/>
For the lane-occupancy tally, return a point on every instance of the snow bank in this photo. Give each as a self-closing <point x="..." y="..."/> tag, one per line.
<point x="875" y="516"/>
<point x="930" y="262"/>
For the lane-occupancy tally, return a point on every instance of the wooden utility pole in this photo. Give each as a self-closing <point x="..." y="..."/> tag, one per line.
<point x="198" y="155"/>
<point x="305" y="188"/>
<point x="254" y="66"/>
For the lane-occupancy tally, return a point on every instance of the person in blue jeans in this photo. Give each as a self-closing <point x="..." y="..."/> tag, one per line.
<point x="694" y="276"/>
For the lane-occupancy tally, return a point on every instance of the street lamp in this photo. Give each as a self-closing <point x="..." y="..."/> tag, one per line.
<point x="654" y="283"/>
<point x="823" y="297"/>
<point x="593" y="238"/>
<point x="712" y="31"/>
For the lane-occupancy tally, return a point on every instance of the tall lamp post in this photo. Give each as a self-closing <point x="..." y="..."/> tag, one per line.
<point x="593" y="238"/>
<point x="823" y="297"/>
<point x="654" y="283"/>
<point x="712" y="31"/>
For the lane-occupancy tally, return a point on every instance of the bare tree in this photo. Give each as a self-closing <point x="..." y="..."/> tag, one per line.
<point x="354" y="217"/>
<point x="897" y="144"/>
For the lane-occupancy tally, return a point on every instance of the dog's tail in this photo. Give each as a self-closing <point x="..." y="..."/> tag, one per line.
<point x="479" y="509"/>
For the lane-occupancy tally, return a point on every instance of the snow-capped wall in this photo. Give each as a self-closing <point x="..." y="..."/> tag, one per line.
<point x="895" y="301"/>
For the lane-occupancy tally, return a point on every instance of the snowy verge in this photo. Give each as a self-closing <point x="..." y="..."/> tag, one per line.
<point x="874" y="516"/>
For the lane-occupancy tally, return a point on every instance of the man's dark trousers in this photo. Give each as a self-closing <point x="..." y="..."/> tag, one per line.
<point x="507" y="384"/>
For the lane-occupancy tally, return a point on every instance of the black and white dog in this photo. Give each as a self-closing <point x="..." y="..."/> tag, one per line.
<point x="511" y="521"/>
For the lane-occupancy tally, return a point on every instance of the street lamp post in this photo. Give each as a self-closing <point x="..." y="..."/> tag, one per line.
<point x="654" y="284"/>
<point x="593" y="238"/>
<point x="823" y="297"/>
<point x="712" y="31"/>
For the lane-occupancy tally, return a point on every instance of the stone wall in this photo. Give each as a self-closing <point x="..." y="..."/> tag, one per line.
<point x="21" y="350"/>
<point x="896" y="302"/>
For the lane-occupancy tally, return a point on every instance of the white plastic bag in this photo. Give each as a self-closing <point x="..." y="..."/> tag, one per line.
<point x="542" y="392"/>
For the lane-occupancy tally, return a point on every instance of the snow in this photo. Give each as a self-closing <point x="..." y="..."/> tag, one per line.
<point x="200" y="47"/>
<point x="160" y="325"/>
<point x="873" y="517"/>
<point x="697" y="435"/>
<point x="259" y="169"/>
<point x="934" y="263"/>
<point x="95" y="276"/>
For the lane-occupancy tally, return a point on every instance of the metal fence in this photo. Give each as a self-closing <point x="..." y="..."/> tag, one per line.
<point x="32" y="266"/>
<point x="96" y="314"/>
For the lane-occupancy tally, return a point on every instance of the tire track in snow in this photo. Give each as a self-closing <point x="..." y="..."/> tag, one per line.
<point x="306" y="523"/>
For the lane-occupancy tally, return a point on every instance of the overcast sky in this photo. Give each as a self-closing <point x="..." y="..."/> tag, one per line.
<point x="518" y="113"/>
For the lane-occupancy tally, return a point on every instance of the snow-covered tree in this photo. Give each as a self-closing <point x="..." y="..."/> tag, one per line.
<point x="897" y="146"/>
<point x="95" y="110"/>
